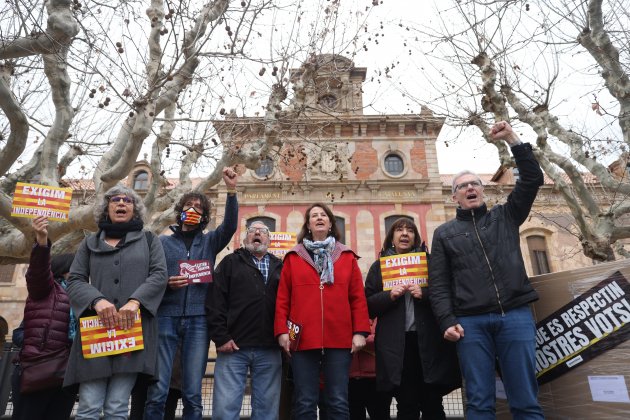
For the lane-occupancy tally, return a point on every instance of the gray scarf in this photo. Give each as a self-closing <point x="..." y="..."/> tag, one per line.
<point x="322" y="252"/>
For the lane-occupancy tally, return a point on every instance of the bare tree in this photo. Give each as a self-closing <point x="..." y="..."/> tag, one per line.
<point x="88" y="88"/>
<point x="559" y="68"/>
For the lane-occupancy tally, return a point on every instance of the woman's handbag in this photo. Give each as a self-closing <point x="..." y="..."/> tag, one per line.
<point x="44" y="371"/>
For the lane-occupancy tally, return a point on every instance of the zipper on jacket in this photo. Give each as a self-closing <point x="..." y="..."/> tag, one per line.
<point x="494" y="283"/>
<point x="186" y="291"/>
<point x="321" y="302"/>
<point x="42" y="345"/>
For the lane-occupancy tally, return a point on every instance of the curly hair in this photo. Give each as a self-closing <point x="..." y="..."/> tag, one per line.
<point x="101" y="209"/>
<point x="205" y="206"/>
<point x="306" y="233"/>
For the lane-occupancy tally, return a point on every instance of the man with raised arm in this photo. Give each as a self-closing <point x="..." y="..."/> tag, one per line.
<point x="480" y="292"/>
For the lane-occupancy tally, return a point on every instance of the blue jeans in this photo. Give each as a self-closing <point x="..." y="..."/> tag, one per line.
<point x="111" y="395"/>
<point x="230" y="375"/>
<point x="510" y="338"/>
<point x="334" y="364"/>
<point x="191" y="332"/>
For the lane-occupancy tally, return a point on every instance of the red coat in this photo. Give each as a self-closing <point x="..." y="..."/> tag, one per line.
<point x="364" y="361"/>
<point x="329" y="316"/>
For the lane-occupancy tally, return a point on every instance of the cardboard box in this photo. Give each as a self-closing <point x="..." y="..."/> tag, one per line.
<point x="571" y="395"/>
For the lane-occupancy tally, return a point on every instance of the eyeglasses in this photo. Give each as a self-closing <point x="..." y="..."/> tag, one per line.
<point x="464" y="185"/>
<point x="121" y="198"/>
<point x="262" y="230"/>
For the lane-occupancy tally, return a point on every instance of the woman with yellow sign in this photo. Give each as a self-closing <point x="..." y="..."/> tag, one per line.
<point x="413" y="362"/>
<point x="118" y="272"/>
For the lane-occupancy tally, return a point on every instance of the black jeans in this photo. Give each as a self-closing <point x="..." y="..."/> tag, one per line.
<point x="49" y="404"/>
<point x="413" y="395"/>
<point x="362" y="395"/>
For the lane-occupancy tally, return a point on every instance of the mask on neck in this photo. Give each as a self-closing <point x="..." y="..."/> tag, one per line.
<point x="190" y="216"/>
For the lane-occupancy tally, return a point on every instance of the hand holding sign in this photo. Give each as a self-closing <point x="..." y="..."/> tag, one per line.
<point x="415" y="290"/>
<point x="177" y="282"/>
<point x="397" y="291"/>
<point x="40" y="226"/>
<point x="107" y="313"/>
<point x="127" y="314"/>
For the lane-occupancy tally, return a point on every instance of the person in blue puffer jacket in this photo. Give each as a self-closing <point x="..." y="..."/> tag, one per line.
<point x="182" y="318"/>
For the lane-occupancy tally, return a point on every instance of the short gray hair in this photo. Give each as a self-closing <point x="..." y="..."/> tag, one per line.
<point x="101" y="210"/>
<point x="461" y="174"/>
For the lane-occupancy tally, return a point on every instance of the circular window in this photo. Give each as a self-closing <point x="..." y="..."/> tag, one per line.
<point x="328" y="101"/>
<point x="265" y="169"/>
<point x="394" y="164"/>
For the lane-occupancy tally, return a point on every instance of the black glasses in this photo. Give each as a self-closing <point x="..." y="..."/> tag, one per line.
<point x="262" y="230"/>
<point x="121" y="198"/>
<point x="464" y="185"/>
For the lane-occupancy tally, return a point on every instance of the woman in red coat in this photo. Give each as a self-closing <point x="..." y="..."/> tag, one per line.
<point x="321" y="294"/>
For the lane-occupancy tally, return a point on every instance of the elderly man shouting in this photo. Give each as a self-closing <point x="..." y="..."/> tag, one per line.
<point x="241" y="307"/>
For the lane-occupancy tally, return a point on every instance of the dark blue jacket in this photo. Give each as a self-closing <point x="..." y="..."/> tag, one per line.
<point x="190" y="300"/>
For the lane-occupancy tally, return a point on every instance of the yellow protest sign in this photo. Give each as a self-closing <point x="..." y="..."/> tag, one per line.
<point x="32" y="200"/>
<point x="404" y="269"/>
<point x="281" y="243"/>
<point x="98" y="341"/>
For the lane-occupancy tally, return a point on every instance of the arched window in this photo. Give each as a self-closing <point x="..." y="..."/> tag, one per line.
<point x="265" y="169"/>
<point x="141" y="181"/>
<point x="389" y="221"/>
<point x="341" y="226"/>
<point x="538" y="254"/>
<point x="394" y="164"/>
<point x="268" y="221"/>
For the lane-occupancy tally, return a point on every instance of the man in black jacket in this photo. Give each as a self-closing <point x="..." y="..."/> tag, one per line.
<point x="241" y="309"/>
<point x="480" y="291"/>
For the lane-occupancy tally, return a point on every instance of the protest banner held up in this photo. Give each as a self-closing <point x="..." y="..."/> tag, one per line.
<point x="404" y="269"/>
<point x="32" y="200"/>
<point x="281" y="242"/>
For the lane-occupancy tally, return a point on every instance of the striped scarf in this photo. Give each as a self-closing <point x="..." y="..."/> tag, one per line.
<point x="322" y="252"/>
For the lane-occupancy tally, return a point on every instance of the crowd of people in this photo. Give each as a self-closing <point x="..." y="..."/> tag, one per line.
<point x="315" y="339"/>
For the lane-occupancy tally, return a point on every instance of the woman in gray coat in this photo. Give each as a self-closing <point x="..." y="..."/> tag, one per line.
<point x="116" y="271"/>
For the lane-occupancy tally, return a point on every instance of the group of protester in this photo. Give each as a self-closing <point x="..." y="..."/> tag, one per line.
<point x="346" y="346"/>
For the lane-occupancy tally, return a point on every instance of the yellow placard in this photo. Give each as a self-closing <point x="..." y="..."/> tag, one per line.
<point x="98" y="341"/>
<point x="404" y="269"/>
<point x="281" y="243"/>
<point x="32" y="200"/>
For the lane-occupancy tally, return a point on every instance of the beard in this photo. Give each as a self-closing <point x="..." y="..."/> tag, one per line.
<point x="256" y="248"/>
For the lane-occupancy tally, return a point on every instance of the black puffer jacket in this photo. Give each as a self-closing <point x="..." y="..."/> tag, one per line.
<point x="439" y="360"/>
<point x="476" y="266"/>
<point x="239" y="305"/>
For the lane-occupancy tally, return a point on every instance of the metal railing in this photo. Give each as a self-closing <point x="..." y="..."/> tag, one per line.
<point x="453" y="405"/>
